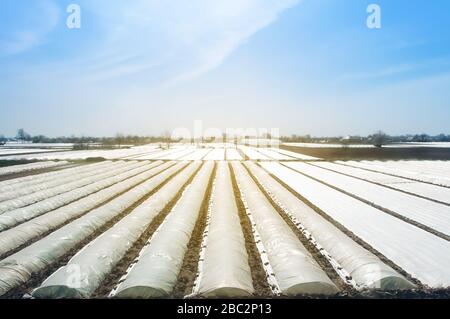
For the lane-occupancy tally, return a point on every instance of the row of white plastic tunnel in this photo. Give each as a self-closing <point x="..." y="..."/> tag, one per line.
<point x="223" y="268"/>
<point x="15" y="169"/>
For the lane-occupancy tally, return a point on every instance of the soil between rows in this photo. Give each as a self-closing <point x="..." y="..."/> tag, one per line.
<point x="381" y="208"/>
<point x="33" y="172"/>
<point x="348" y="233"/>
<point x="318" y="257"/>
<point x="185" y="282"/>
<point x="373" y="153"/>
<point x="259" y="276"/>
<point x="189" y="268"/>
<point x="121" y="268"/>
<point x="30" y="242"/>
<point x="384" y="185"/>
<point x="37" y="279"/>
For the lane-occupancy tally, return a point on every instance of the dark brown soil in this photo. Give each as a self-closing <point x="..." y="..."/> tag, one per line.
<point x="374" y="153"/>
<point x="121" y="268"/>
<point x="259" y="276"/>
<point x="380" y="294"/>
<point x="6" y="163"/>
<point x="189" y="268"/>
<point x="37" y="279"/>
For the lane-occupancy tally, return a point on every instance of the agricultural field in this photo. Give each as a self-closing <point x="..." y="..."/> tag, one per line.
<point x="222" y="220"/>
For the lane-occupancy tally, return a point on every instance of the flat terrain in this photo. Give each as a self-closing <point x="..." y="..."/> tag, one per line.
<point x="384" y="153"/>
<point x="223" y="221"/>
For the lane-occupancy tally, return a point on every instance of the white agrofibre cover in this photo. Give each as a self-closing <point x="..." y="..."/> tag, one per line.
<point x="364" y="267"/>
<point x="428" y="213"/>
<point x="197" y="155"/>
<point x="295" y="269"/>
<point x="76" y="173"/>
<point x="161" y="154"/>
<point x="232" y="154"/>
<point x="252" y="153"/>
<point x="432" y="168"/>
<point x="159" y="263"/>
<point x="30" y="167"/>
<point x="225" y="271"/>
<point x="97" y="259"/>
<point x="273" y="154"/>
<point x="19" y="267"/>
<point x="217" y="154"/>
<point x="53" y="191"/>
<point x="21" y="234"/>
<point x="402" y="171"/>
<point x="296" y="155"/>
<point x="421" y="254"/>
<point x="20" y="215"/>
<point x="26" y="181"/>
<point x="435" y="192"/>
<point x="178" y="155"/>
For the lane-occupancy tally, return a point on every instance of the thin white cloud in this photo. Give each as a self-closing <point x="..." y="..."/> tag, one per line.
<point x="33" y="27"/>
<point x="440" y="64"/>
<point x="174" y="41"/>
<point x="382" y="73"/>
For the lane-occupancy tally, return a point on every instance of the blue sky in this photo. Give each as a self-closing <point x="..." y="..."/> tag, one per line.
<point x="149" y="66"/>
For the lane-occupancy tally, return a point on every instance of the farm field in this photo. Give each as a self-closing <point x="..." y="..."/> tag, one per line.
<point x="222" y="220"/>
<point x="398" y="152"/>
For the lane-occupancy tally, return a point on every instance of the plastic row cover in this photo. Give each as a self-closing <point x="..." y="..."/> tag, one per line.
<point x="441" y="194"/>
<point x="296" y="155"/>
<point x="417" y="252"/>
<point x="225" y="271"/>
<point x="233" y="154"/>
<point x="19" y="267"/>
<point x="401" y="171"/>
<point x="364" y="267"/>
<point x="273" y="154"/>
<point x="158" y="266"/>
<point x="12" y="184"/>
<point x="98" y="258"/>
<point x="21" y="234"/>
<point x="252" y="153"/>
<point x="30" y="167"/>
<point x="158" y="155"/>
<point x="17" y="216"/>
<point x="50" y="192"/>
<point x="197" y="155"/>
<point x="69" y="175"/>
<point x="429" y="213"/>
<point x="295" y="269"/>
<point x="423" y="211"/>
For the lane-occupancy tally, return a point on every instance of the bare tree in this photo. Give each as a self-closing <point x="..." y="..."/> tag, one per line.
<point x="119" y="139"/>
<point x="379" y="139"/>
<point x="2" y="140"/>
<point x="167" y="138"/>
<point x="22" y="135"/>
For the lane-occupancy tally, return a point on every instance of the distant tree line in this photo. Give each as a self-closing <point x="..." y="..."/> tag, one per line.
<point x="120" y="140"/>
<point x="378" y="139"/>
<point x="81" y="142"/>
